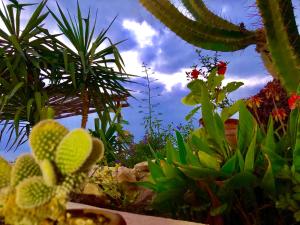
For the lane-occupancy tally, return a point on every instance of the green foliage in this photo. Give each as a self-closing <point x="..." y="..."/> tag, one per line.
<point x="261" y="170"/>
<point x="40" y="185"/>
<point x="277" y="42"/>
<point x="37" y="69"/>
<point x="109" y="129"/>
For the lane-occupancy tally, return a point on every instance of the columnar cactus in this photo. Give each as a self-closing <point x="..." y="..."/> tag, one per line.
<point x="278" y="41"/>
<point x="60" y="162"/>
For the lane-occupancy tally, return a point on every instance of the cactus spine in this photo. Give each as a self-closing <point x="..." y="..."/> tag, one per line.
<point x="278" y="41"/>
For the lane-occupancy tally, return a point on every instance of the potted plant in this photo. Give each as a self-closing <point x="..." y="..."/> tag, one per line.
<point x="35" y="189"/>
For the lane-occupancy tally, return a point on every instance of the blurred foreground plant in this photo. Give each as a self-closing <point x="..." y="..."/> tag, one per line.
<point x="36" y="187"/>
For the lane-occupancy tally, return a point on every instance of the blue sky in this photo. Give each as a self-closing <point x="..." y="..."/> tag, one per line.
<point x="168" y="56"/>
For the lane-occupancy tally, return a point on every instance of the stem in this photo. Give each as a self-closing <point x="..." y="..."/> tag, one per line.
<point x="149" y="101"/>
<point x="85" y="107"/>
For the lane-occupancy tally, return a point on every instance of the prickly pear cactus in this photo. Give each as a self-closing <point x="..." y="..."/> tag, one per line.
<point x="96" y="155"/>
<point x="73" y="151"/>
<point x="37" y="187"/>
<point x="5" y="170"/>
<point x="45" y="137"/>
<point x="33" y="192"/>
<point x="24" y="167"/>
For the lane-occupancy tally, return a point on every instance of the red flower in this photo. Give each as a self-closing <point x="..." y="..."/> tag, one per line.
<point x="222" y="66"/>
<point x="195" y="73"/>
<point x="293" y="100"/>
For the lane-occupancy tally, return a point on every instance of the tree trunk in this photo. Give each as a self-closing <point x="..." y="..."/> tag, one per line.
<point x="85" y="107"/>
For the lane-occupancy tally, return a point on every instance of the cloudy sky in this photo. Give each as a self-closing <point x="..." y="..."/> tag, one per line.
<point x="149" y="41"/>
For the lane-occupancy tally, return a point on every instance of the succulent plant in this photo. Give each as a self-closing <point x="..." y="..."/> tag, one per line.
<point x="33" y="192"/>
<point x="25" y="167"/>
<point x="39" y="184"/>
<point x="73" y="151"/>
<point x="5" y="170"/>
<point x="96" y="154"/>
<point x="45" y="137"/>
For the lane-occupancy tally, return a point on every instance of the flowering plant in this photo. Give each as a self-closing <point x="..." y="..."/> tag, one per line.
<point x="211" y="78"/>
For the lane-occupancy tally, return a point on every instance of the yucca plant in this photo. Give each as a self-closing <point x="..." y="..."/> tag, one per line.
<point x="41" y="77"/>
<point x="277" y="41"/>
<point x="90" y="66"/>
<point x="29" y="61"/>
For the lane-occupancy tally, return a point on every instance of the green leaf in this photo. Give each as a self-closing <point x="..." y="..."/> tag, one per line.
<point x="269" y="141"/>
<point x="240" y="160"/>
<point x="231" y="110"/>
<point x="181" y="147"/>
<point x="192" y="113"/>
<point x="245" y="128"/>
<point x="38" y="100"/>
<point x="250" y="155"/>
<point x="268" y="181"/>
<point x="199" y="172"/>
<point x="276" y="160"/>
<point x="230" y="166"/>
<point x="232" y="86"/>
<point x="191" y="99"/>
<point x="240" y="180"/>
<point x="15" y="89"/>
<point x="155" y="170"/>
<point x="296" y="152"/>
<point x="28" y="108"/>
<point x="208" y="160"/>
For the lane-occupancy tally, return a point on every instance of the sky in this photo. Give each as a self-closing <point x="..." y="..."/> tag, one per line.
<point x="168" y="56"/>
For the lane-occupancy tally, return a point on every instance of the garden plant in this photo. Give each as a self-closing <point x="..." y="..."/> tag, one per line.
<point x="35" y="189"/>
<point x="195" y="174"/>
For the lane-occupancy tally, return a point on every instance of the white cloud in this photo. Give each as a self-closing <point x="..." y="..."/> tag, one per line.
<point x="143" y="32"/>
<point x="251" y="81"/>
<point x="134" y="66"/>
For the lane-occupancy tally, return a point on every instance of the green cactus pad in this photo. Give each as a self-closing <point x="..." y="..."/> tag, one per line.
<point x="33" y="192"/>
<point x="73" y="151"/>
<point x="5" y="170"/>
<point x="72" y="182"/>
<point x="24" y="167"/>
<point x="45" y="137"/>
<point x="48" y="172"/>
<point x="96" y="155"/>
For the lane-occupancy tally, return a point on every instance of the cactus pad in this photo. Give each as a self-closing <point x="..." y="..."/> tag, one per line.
<point x="73" y="151"/>
<point x="24" y="167"/>
<point x="48" y="172"/>
<point x="33" y="192"/>
<point x="45" y="137"/>
<point x="96" y="155"/>
<point x="5" y="170"/>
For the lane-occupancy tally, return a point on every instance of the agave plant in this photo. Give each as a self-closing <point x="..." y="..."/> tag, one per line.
<point x="90" y="67"/>
<point x="277" y="41"/>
